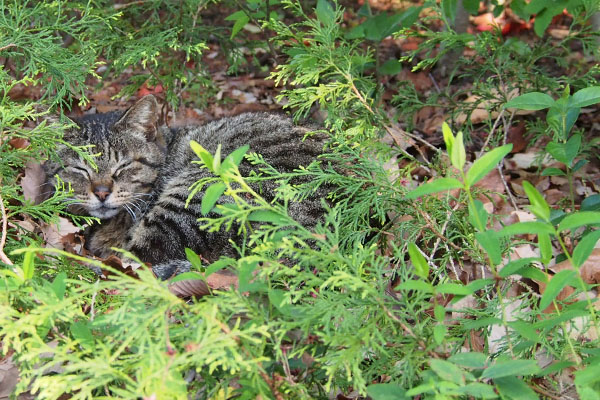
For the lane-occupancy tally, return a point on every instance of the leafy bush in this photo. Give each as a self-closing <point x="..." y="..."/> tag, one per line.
<point x="373" y="301"/>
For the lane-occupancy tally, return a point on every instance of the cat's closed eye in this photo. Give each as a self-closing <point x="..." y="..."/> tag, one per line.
<point x="79" y="170"/>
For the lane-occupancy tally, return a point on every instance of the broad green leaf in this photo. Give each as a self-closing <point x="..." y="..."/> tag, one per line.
<point x="513" y="267"/>
<point x="218" y="265"/>
<point x="565" y="152"/>
<point x="539" y="207"/>
<point x="247" y="283"/>
<point x="82" y="333"/>
<point x="458" y="155"/>
<point x="513" y="388"/>
<point x="190" y="275"/>
<point x="553" y="288"/>
<point x="551" y="171"/>
<point x="449" y="9"/>
<point x="203" y="154"/>
<point x="278" y="299"/>
<point x="578" y="219"/>
<point x="193" y="258"/>
<point x="211" y="196"/>
<point x="28" y="265"/>
<point x="542" y="21"/>
<point x="267" y="216"/>
<point x="578" y="165"/>
<point x="439" y="312"/>
<point x="439" y="333"/>
<point x="483" y="165"/>
<point x="217" y="160"/>
<point x="591" y="203"/>
<point x="510" y="368"/>
<point x="588" y="376"/>
<point x="472" y="6"/>
<point x="234" y="159"/>
<point x="478" y="215"/>
<point x="528" y="227"/>
<point x="525" y="329"/>
<point x="453" y="288"/>
<point x="448" y="137"/>
<point x="479" y="390"/>
<point x="418" y="285"/>
<point x="533" y="273"/>
<point x="241" y="19"/>
<point x="585" y="247"/>
<point x="531" y="101"/>
<point x="545" y="247"/>
<point x="419" y="262"/>
<point x="438" y="185"/>
<point x="325" y="12"/>
<point x="491" y="244"/>
<point x="469" y="360"/>
<point x="391" y="67"/>
<point x="59" y="285"/>
<point x="585" y="97"/>
<point x="448" y="371"/>
<point x="387" y="391"/>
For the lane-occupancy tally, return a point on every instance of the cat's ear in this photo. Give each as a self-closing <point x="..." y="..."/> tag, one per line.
<point x="141" y="118"/>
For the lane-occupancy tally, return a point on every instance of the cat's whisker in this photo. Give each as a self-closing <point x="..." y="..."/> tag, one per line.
<point x="130" y="211"/>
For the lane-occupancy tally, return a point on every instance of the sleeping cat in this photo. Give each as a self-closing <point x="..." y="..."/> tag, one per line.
<point x="144" y="171"/>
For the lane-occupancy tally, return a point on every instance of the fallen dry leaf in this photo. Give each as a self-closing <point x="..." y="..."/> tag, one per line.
<point x="199" y="288"/>
<point x="55" y="235"/>
<point x="9" y="377"/>
<point x="33" y="182"/>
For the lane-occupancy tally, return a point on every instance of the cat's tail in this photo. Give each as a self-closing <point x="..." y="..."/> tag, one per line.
<point x="169" y="269"/>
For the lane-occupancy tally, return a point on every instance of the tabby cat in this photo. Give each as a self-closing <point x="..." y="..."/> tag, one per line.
<point x="144" y="171"/>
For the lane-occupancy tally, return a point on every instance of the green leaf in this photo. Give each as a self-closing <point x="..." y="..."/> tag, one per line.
<point x="539" y="207"/>
<point x="218" y="265"/>
<point x="278" y="299"/>
<point x="390" y="67"/>
<point x="190" y="275"/>
<point x="59" y="285"/>
<point x="439" y="333"/>
<point x="545" y="247"/>
<point x="585" y="97"/>
<point x="439" y="312"/>
<point x="542" y="21"/>
<point x="525" y="329"/>
<point x="585" y="247"/>
<point x="553" y="288"/>
<point x="510" y="368"/>
<point x="513" y="388"/>
<point x="483" y="165"/>
<point x="193" y="258"/>
<point x="217" y="160"/>
<point x="325" y="12"/>
<point x="438" y="185"/>
<point x="578" y="219"/>
<point x="453" y="288"/>
<point x="448" y="137"/>
<point x="587" y="376"/>
<point x="241" y="19"/>
<point x="472" y="6"/>
<point x="565" y="152"/>
<point x="234" y="159"/>
<point x="268" y="216"/>
<point x="478" y="215"/>
<point x="528" y="227"/>
<point x="82" y="333"/>
<point x="469" y="360"/>
<point x="513" y="267"/>
<point x="211" y="196"/>
<point x="479" y="390"/>
<point x="419" y="262"/>
<point x="386" y="391"/>
<point x="551" y="171"/>
<point x="28" y="265"/>
<point x="591" y="203"/>
<point x="531" y="101"/>
<point x="491" y="244"/>
<point x="458" y="156"/>
<point x="418" y="285"/>
<point x="203" y="154"/>
<point x="448" y="371"/>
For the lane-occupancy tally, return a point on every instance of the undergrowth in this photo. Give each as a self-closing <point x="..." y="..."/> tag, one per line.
<point x="406" y="289"/>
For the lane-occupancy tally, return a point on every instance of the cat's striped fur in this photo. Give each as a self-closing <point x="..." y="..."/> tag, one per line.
<point x="144" y="172"/>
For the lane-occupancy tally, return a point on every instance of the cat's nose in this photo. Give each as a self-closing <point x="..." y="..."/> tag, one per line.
<point x="101" y="192"/>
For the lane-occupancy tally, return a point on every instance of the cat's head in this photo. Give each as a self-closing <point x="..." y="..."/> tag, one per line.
<point x="130" y="149"/>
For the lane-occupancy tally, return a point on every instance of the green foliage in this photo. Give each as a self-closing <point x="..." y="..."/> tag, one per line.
<point x="368" y="301"/>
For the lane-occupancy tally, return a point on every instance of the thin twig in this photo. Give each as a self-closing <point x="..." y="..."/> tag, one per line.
<point x="409" y="331"/>
<point x="8" y="46"/>
<point x="435" y="231"/>
<point x="487" y="141"/>
<point x="3" y="257"/>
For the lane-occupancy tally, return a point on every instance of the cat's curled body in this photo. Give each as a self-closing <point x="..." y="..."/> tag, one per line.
<point x="144" y="172"/>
